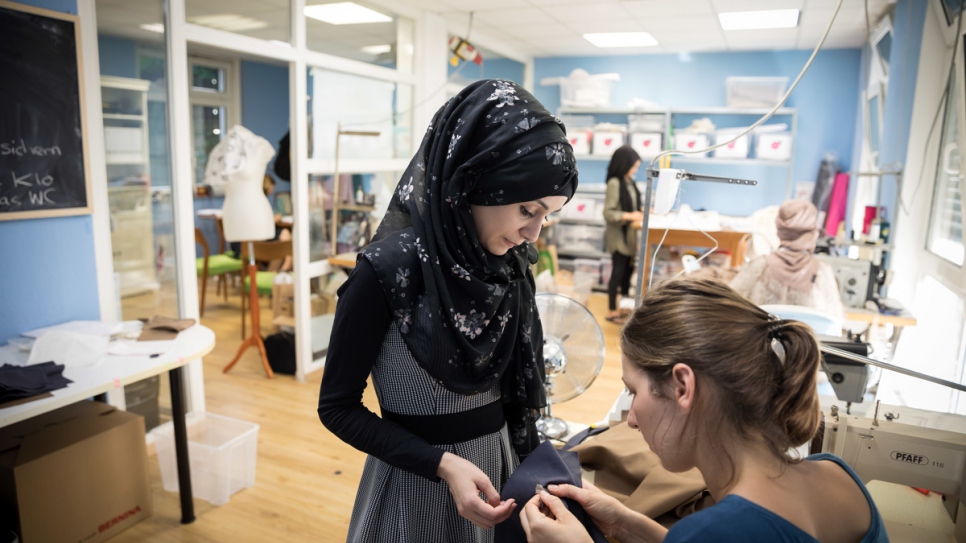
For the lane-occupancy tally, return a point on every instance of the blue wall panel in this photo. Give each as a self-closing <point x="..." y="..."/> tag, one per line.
<point x="47" y="271"/>
<point x="825" y="100"/>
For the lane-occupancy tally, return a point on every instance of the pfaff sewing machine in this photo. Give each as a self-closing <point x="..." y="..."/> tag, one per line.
<point x="889" y="447"/>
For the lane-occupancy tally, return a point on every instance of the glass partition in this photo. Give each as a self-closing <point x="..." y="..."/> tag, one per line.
<point x="359" y="31"/>
<point x="138" y="158"/>
<point x="355" y="103"/>
<point x="264" y="19"/>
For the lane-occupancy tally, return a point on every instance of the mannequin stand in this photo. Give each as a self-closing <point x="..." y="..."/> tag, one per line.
<point x="255" y="339"/>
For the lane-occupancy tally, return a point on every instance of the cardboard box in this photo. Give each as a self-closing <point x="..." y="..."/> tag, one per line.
<point x="78" y="473"/>
<point x="647" y="144"/>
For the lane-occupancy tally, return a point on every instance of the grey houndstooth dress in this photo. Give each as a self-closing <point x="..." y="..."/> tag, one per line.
<point x="394" y="505"/>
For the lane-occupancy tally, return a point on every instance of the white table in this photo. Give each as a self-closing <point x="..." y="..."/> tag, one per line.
<point x="115" y="372"/>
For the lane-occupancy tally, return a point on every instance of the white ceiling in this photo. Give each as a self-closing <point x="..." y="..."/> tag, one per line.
<point x="539" y="28"/>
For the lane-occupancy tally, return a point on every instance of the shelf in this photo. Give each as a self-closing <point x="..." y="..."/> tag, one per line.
<point x="673" y="111"/>
<point x="591" y="222"/>
<point x="123" y="117"/>
<point x="356" y="207"/>
<point x="582" y="254"/>
<point x="732" y="161"/>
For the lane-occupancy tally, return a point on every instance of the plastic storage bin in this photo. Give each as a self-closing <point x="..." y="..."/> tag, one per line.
<point x="755" y="92"/>
<point x="222" y="452"/>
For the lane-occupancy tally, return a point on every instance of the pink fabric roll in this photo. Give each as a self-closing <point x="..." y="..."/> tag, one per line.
<point x="837" y="204"/>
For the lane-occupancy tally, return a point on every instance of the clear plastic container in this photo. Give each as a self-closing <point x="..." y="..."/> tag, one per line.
<point x="755" y="92"/>
<point x="222" y="452"/>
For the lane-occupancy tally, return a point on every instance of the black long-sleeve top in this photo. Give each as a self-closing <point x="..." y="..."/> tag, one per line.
<point x="362" y="319"/>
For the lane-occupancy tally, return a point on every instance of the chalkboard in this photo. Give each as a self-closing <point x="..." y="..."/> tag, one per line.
<point x="43" y="148"/>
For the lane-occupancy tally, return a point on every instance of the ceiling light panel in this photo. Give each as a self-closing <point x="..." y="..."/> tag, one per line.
<point x="621" y="39"/>
<point x="345" y="13"/>
<point x="757" y="20"/>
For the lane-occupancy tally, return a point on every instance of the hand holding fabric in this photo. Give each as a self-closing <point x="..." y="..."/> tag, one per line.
<point x="603" y="509"/>
<point x="554" y="524"/>
<point x="466" y="483"/>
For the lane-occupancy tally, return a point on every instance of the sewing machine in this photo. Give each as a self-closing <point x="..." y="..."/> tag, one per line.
<point x="884" y="448"/>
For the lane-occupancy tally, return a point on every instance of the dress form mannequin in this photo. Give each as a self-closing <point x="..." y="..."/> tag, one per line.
<point x="238" y="163"/>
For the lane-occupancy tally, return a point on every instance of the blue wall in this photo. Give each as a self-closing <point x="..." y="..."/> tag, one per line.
<point x="47" y="273"/>
<point x="264" y="104"/>
<point x="118" y="56"/>
<point x="825" y="100"/>
<point x="908" y="22"/>
<point x="497" y="68"/>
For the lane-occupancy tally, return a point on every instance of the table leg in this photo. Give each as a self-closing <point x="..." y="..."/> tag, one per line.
<point x="176" y="379"/>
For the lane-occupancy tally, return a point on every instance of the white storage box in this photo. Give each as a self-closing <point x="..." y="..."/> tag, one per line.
<point x="735" y="149"/>
<point x="606" y="142"/>
<point x="222" y="452"/>
<point x="648" y="144"/>
<point x="774" y="146"/>
<point x="580" y="237"/>
<point x="691" y="142"/>
<point x="580" y="141"/>
<point x="755" y="92"/>
<point x="582" y="208"/>
<point x="581" y="89"/>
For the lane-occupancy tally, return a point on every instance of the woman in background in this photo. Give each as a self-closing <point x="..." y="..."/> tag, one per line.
<point x="721" y="385"/>
<point x="791" y="274"/>
<point x="441" y="311"/>
<point x="622" y="207"/>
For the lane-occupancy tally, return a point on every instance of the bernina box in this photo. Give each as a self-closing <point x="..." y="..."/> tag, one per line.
<point x="78" y="473"/>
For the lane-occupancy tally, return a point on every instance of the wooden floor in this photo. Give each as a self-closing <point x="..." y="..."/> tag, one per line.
<point x="306" y="478"/>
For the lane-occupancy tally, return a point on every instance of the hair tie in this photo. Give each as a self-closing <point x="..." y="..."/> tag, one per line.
<point x="775" y="324"/>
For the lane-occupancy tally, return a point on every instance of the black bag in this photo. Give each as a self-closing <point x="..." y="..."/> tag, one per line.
<point x="280" y="348"/>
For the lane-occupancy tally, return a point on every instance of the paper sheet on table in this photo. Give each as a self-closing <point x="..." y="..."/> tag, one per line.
<point x="139" y="348"/>
<point x="94" y="328"/>
<point x="70" y="349"/>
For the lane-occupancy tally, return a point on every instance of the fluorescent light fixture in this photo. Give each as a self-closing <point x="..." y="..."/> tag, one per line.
<point x="758" y="20"/>
<point x="345" y="13"/>
<point x="280" y="43"/>
<point x="153" y="27"/>
<point x="229" y="22"/>
<point x="621" y="39"/>
<point x="377" y="49"/>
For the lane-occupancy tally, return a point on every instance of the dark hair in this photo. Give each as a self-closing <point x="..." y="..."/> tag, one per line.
<point x="746" y="389"/>
<point x="621" y="162"/>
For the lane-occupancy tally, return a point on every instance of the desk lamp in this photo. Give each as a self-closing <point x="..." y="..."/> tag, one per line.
<point x="239" y="162"/>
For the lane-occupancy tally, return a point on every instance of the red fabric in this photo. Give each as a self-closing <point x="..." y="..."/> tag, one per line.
<point x="837" y="204"/>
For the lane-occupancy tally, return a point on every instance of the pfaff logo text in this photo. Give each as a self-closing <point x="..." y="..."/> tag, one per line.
<point x="109" y="524"/>
<point x="908" y="458"/>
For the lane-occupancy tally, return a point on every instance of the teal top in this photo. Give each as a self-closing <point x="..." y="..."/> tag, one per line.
<point x="735" y="519"/>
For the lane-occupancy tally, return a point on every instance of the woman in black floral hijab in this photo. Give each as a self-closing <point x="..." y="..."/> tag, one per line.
<point x="441" y="311"/>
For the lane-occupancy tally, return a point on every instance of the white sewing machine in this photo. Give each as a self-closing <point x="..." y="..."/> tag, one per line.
<point x="884" y="448"/>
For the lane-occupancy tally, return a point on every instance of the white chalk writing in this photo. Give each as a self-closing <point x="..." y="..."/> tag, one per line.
<point x="20" y="148"/>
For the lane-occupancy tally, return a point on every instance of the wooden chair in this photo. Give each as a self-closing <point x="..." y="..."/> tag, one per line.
<point x="265" y="251"/>
<point x="219" y="265"/>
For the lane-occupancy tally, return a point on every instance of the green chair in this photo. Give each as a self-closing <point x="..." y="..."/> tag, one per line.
<point x="265" y="252"/>
<point x="220" y="266"/>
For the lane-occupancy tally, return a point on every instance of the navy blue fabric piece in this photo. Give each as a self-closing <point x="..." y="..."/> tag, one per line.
<point x="24" y="381"/>
<point x="546" y="466"/>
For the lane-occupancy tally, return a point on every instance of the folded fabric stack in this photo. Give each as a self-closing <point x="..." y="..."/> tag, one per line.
<point x="17" y="382"/>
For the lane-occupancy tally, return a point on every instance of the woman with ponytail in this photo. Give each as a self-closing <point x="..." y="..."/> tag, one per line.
<point x="721" y="385"/>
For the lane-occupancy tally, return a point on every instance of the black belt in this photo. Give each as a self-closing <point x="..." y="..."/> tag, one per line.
<point x="452" y="427"/>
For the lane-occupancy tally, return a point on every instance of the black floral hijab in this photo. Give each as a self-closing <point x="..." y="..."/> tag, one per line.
<point x="468" y="317"/>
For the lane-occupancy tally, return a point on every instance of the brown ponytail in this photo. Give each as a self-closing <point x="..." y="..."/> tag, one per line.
<point x="758" y="373"/>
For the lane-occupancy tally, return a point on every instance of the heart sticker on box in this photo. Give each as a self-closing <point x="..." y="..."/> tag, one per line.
<point x="647" y="143"/>
<point x="608" y="141"/>
<point x="691" y="144"/>
<point x="580" y="207"/>
<point x="776" y="144"/>
<point x="731" y="145"/>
